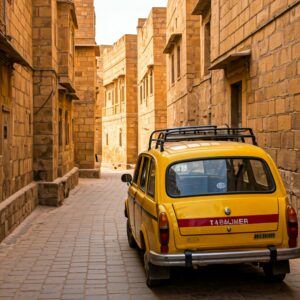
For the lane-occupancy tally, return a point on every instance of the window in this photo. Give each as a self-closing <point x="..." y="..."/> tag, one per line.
<point x="5" y="132"/>
<point x="60" y="128"/>
<point x="137" y="169"/>
<point x="178" y="61"/>
<point x="236" y="104"/>
<point x="151" y="81"/>
<point x="120" y="137"/>
<point x="144" y="173"/>
<point x="206" y="48"/>
<point x="141" y="94"/>
<point x="107" y="139"/>
<point x="73" y="126"/>
<point x="146" y="83"/>
<point x="72" y="37"/>
<point x="172" y="69"/>
<point x="151" y="179"/>
<point x="116" y="93"/>
<point x="67" y="130"/>
<point x="219" y="176"/>
<point x="122" y="91"/>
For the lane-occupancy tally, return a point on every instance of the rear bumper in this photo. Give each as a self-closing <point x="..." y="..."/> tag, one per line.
<point x="228" y="257"/>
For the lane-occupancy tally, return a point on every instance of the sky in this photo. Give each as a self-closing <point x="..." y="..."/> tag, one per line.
<point x="114" y="18"/>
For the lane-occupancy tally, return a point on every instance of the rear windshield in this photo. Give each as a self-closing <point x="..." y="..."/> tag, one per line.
<point x="219" y="176"/>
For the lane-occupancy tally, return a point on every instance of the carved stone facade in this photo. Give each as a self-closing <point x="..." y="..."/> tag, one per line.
<point x="119" y="135"/>
<point x="152" y="102"/>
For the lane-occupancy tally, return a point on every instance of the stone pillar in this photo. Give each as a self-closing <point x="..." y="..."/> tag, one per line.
<point x="85" y="83"/>
<point x="45" y="96"/>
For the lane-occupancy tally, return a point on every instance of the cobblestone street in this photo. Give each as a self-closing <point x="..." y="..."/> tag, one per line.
<point x="80" y="251"/>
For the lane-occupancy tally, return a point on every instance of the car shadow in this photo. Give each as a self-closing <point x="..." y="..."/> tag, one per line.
<point x="241" y="281"/>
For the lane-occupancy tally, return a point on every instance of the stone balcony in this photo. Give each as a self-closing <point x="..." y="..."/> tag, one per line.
<point x="67" y="24"/>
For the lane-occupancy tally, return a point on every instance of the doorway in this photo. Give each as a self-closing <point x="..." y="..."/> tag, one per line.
<point x="236" y="105"/>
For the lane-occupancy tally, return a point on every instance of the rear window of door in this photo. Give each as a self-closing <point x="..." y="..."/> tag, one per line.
<point x="151" y="180"/>
<point x="144" y="171"/>
<point x="137" y="170"/>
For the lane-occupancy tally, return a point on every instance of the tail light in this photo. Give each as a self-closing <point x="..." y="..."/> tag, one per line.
<point x="163" y="224"/>
<point x="292" y="226"/>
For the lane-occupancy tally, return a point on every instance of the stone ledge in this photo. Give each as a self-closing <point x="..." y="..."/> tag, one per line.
<point x="54" y="193"/>
<point x="16" y="208"/>
<point x="89" y="173"/>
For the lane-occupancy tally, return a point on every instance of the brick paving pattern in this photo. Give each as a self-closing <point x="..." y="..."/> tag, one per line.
<point x="80" y="251"/>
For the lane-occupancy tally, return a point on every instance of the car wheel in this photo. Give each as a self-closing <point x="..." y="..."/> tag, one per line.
<point x="155" y="275"/>
<point x="150" y="269"/>
<point x="130" y="238"/>
<point x="271" y="277"/>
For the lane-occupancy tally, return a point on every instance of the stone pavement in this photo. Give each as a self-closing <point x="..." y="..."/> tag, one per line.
<point x="80" y="251"/>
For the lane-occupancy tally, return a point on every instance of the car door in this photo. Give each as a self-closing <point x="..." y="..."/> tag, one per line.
<point x="140" y="196"/>
<point x="150" y="205"/>
<point x="132" y="194"/>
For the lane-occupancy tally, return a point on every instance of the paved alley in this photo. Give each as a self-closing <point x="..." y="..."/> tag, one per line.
<point x="80" y="251"/>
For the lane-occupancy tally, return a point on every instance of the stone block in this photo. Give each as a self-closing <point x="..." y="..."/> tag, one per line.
<point x="287" y="140"/>
<point x="284" y="122"/>
<point x="296" y="120"/>
<point x="287" y="159"/>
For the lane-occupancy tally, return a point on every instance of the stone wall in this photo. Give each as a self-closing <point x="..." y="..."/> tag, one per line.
<point x="18" y="195"/>
<point x="152" y="112"/>
<point x="84" y="108"/>
<point x="86" y="22"/>
<point x="16" y="208"/>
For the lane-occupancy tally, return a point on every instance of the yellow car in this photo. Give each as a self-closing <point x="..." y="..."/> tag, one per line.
<point x="205" y="195"/>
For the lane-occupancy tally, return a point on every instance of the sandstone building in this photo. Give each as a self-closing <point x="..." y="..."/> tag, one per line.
<point x="182" y="51"/>
<point x="85" y="83"/>
<point x="100" y="97"/>
<point x="18" y="194"/>
<point x="246" y="72"/>
<point x="53" y="27"/>
<point x="151" y="78"/>
<point x="37" y="94"/>
<point x="119" y="134"/>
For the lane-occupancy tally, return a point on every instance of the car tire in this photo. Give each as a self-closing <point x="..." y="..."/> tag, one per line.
<point x="271" y="277"/>
<point x="130" y="238"/>
<point x="150" y="272"/>
<point x="155" y="275"/>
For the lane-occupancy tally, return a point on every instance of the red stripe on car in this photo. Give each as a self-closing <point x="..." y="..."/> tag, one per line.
<point x="224" y="221"/>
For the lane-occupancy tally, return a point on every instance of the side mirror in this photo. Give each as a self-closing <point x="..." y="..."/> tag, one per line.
<point x="127" y="178"/>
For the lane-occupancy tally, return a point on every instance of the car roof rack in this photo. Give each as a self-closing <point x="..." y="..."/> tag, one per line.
<point x="198" y="133"/>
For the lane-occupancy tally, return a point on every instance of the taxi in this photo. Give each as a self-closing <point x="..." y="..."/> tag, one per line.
<point x="205" y="195"/>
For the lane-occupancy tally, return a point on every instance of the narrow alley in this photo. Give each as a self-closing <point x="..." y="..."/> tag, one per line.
<point x="80" y="251"/>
